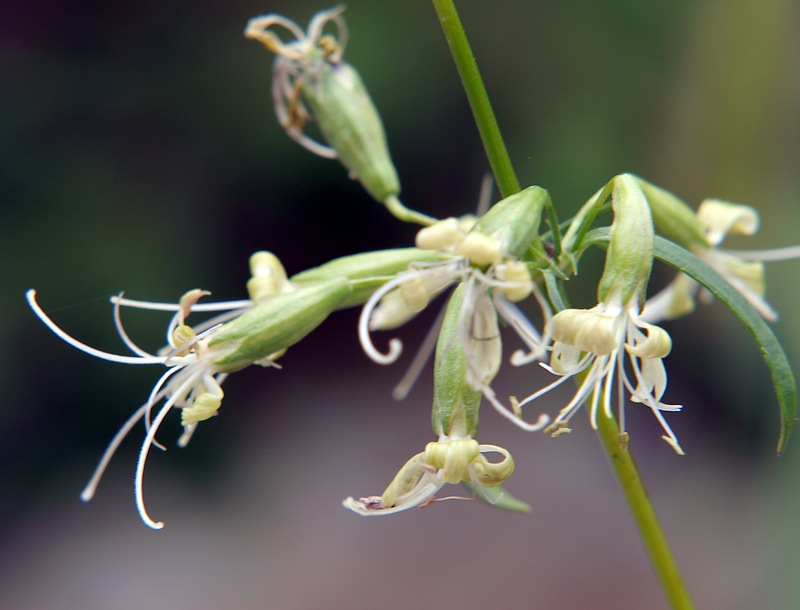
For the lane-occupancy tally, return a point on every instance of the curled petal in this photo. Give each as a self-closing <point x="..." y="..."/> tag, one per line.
<point x="452" y="458"/>
<point x="657" y="343"/>
<point x="720" y="218"/>
<point x="492" y="474"/>
<point x="590" y="330"/>
<point x="415" y="485"/>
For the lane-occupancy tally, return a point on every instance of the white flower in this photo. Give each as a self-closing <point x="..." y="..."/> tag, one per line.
<point x="192" y="381"/>
<point x="493" y="282"/>
<point x="607" y="344"/>
<point x="743" y="269"/>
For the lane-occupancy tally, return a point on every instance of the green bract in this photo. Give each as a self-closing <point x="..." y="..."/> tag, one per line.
<point x="279" y="322"/>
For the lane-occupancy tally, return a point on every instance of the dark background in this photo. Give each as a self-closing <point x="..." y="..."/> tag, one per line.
<point x="139" y="152"/>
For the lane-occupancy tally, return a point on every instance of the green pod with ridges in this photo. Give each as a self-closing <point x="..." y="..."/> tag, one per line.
<point x="629" y="258"/>
<point x="515" y="220"/>
<point x="673" y="218"/>
<point x="278" y="322"/>
<point x="368" y="270"/>
<point x="351" y="125"/>
<point x="455" y="403"/>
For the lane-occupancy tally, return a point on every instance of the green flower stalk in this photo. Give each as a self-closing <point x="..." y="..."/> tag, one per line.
<point x="593" y="345"/>
<point x="456" y="457"/>
<point x="199" y="358"/>
<point x="312" y="81"/>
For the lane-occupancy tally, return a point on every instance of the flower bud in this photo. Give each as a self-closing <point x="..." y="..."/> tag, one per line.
<point x="514" y="221"/>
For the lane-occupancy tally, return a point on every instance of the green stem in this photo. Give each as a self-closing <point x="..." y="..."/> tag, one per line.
<point x="467" y="68"/>
<point x="621" y="461"/>
<point x="650" y="531"/>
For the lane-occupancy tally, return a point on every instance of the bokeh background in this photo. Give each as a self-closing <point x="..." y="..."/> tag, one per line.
<point x="139" y="152"/>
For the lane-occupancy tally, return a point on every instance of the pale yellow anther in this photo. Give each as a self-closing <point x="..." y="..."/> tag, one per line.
<point x="441" y="235"/>
<point x="205" y="406"/>
<point x="466" y="223"/>
<point x="518" y="283"/>
<point x="720" y="218"/>
<point x="480" y="249"/>
<point x="182" y="335"/>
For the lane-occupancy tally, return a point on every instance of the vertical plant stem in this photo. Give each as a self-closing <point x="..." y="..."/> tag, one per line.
<point x="467" y="68"/>
<point x="653" y="537"/>
<point x="621" y="461"/>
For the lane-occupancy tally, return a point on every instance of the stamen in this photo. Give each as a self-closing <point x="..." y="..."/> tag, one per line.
<point x="199" y="307"/>
<point x="395" y="345"/>
<point x="540" y="424"/>
<point x="769" y="255"/>
<point x="89" y="491"/>
<point x="148" y="441"/>
<point x="31" y="297"/>
<point x="123" y="334"/>
<point x="421" y="358"/>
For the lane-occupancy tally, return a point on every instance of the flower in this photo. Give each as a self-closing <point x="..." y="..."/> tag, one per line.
<point x="448" y="460"/>
<point x="702" y="233"/>
<point x="199" y="358"/>
<point x="191" y="383"/>
<point x="597" y="342"/>
<point x="482" y="258"/>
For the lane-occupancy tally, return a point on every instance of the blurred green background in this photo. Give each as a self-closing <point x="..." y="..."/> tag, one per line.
<point x="139" y="152"/>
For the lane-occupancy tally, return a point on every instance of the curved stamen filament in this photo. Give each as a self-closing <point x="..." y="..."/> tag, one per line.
<point x="395" y="345"/>
<point x="190" y="381"/>
<point x="31" y="297"/>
